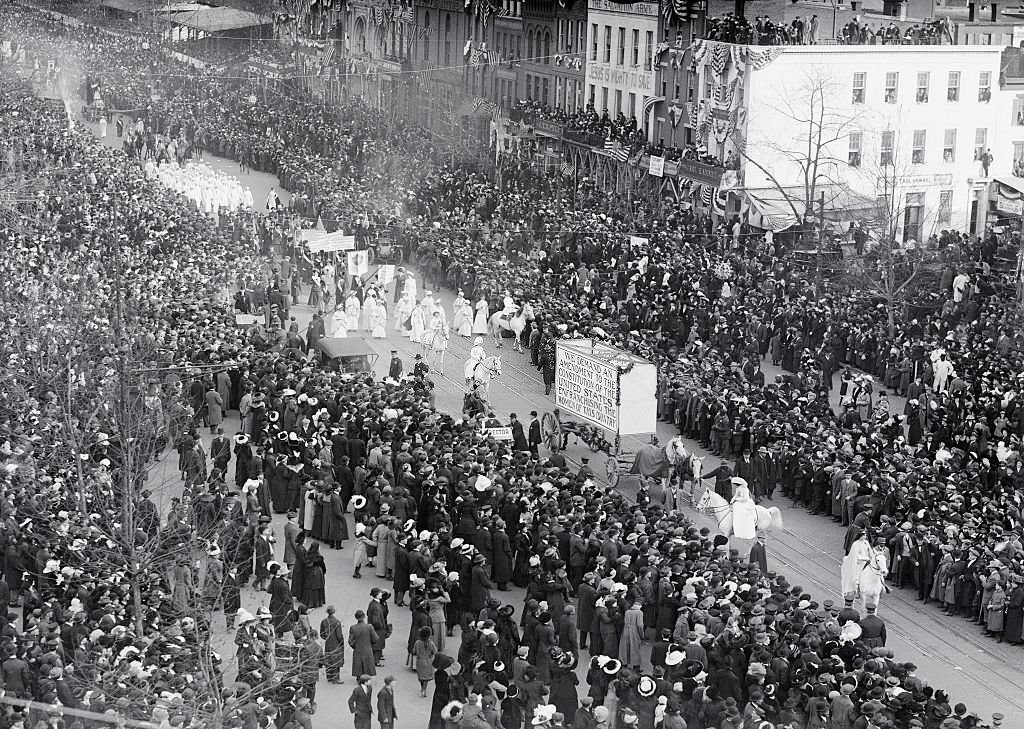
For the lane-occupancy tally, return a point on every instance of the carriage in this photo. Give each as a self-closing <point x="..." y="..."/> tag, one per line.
<point x="385" y="250"/>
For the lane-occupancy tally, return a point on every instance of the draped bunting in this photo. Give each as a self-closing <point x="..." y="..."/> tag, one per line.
<point x="707" y="194"/>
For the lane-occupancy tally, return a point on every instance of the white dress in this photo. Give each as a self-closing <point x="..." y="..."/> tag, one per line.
<point x="339" y="323"/>
<point x="379" y="321"/>
<point x="402" y="311"/>
<point x="352" y="308"/>
<point x="419" y="326"/>
<point x="480" y="321"/>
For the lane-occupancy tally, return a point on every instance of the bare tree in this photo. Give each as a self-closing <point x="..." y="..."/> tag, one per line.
<point x="895" y="258"/>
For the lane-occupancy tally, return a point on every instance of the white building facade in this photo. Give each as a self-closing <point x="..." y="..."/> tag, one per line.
<point x="907" y="124"/>
<point x="620" y="52"/>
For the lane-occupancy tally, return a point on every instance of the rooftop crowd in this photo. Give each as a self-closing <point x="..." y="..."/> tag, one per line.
<point x="736" y="644"/>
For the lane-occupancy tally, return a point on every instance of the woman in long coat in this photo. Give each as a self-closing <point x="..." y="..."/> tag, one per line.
<point x="442" y="690"/>
<point x="995" y="610"/>
<point x="1013" y="625"/>
<point x="335" y="526"/>
<point x="382" y="536"/>
<point x="314" y="592"/>
<point x="563" y="686"/>
<point x="632" y="636"/>
<point x="502" y="570"/>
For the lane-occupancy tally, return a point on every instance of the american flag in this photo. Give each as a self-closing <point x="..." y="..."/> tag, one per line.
<point x="567" y="169"/>
<point x="328" y="55"/>
<point x="613" y="149"/>
<point x="649" y="104"/>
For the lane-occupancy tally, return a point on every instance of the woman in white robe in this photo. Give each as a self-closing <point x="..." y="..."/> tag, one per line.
<point x="854" y="564"/>
<point x="339" y="323"/>
<point x="410" y="287"/>
<point x="480" y="321"/>
<point x="403" y="309"/>
<point x="419" y="324"/>
<point x="352" y="308"/>
<point x="369" y="305"/>
<point x="379" y="320"/>
<point x="462" y="316"/>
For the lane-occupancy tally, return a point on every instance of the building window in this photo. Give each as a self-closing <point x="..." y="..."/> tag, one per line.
<point x="529" y="44"/>
<point x="945" y="212"/>
<point x="529" y="88"/>
<point x="1018" y="111"/>
<point x="636" y="47"/>
<point x="1018" y="154"/>
<point x="949" y="146"/>
<point x="917" y="147"/>
<point x="592" y="95"/>
<point x="980" y="141"/>
<point x="649" y="51"/>
<point x="985" y="86"/>
<point x="856" y="139"/>
<point x="953" y="86"/>
<point x="544" y="94"/>
<point x="707" y="82"/>
<point x="618" y="102"/>
<point x="886" y="148"/>
<point x="547" y="47"/>
<point x="659" y="130"/>
<point x="859" y="80"/>
<point x="620" y="52"/>
<point x="604" y="99"/>
<point x="922" y="87"/>
<point x="607" y="44"/>
<point x="632" y="108"/>
<point x="593" y="42"/>
<point x="892" y="83"/>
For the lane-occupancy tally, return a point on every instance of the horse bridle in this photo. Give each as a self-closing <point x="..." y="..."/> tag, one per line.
<point x="491" y="369"/>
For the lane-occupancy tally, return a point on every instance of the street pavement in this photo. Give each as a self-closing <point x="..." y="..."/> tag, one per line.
<point x="950" y="653"/>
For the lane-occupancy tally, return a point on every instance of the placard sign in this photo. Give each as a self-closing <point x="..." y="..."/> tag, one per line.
<point x="586" y="387"/>
<point x="497" y="433"/>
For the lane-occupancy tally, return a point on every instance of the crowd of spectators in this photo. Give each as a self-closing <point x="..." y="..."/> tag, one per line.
<point x="739" y="645"/>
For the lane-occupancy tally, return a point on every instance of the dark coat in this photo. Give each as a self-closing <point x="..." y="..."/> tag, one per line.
<point x="479" y="589"/>
<point x="502" y="571"/>
<point x="361" y="639"/>
<point x="360" y="703"/>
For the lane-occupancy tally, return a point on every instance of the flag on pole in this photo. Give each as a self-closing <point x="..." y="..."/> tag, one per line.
<point x="567" y="169"/>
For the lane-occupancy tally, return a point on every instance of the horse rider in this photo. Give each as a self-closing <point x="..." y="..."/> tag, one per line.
<point x="744" y="511"/>
<point x="476" y="356"/>
<point x="508" y="306"/>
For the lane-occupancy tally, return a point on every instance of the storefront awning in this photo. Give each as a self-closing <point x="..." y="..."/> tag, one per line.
<point x="1016" y="184"/>
<point x="774" y="209"/>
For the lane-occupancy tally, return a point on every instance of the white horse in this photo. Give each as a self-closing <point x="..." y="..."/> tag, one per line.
<point x="863" y="573"/>
<point x="503" y="322"/>
<point x="715" y="506"/>
<point x="483" y="371"/>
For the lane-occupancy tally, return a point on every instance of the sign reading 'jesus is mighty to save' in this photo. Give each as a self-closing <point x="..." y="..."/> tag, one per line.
<point x="587" y="387"/>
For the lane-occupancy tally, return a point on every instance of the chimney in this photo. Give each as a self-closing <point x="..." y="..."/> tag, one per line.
<point x="995" y="12"/>
<point x="971" y="12"/>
